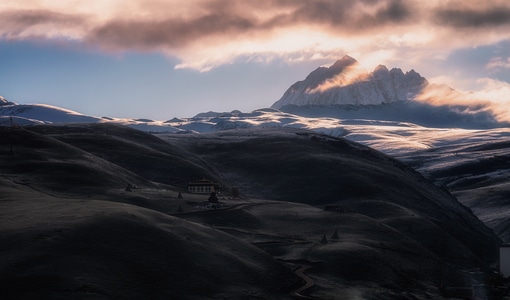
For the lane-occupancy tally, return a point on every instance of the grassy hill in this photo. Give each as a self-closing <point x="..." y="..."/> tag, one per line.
<point x="476" y="171"/>
<point x="69" y="230"/>
<point x="304" y="167"/>
<point x="133" y="150"/>
<point x="55" y="248"/>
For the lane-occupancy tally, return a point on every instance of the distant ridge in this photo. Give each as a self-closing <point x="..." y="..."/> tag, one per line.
<point x="31" y="114"/>
<point x="4" y="101"/>
<point x="346" y="82"/>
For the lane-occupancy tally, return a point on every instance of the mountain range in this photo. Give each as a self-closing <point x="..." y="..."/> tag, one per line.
<point x="345" y="90"/>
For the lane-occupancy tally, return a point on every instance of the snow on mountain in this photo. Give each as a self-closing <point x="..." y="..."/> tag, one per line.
<point x="346" y="82"/>
<point x="13" y="114"/>
<point x="44" y="113"/>
<point x="9" y="121"/>
<point x="4" y="101"/>
<point x="391" y="137"/>
<point x="388" y="136"/>
<point x="347" y="91"/>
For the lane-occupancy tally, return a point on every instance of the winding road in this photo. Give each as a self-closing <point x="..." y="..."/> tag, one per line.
<point x="308" y="283"/>
<point x="300" y="272"/>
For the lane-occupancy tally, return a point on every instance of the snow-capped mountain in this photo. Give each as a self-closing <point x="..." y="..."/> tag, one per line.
<point x="346" y="90"/>
<point x="45" y="113"/>
<point x="346" y="82"/>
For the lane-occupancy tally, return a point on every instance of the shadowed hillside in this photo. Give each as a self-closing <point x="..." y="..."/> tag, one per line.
<point x="393" y="229"/>
<point x="91" y="155"/>
<point x="47" y="163"/>
<point x="305" y="167"/>
<point x="86" y="249"/>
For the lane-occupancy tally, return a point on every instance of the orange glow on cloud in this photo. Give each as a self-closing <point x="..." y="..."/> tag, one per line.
<point x="351" y="74"/>
<point x="493" y="97"/>
<point x="208" y="33"/>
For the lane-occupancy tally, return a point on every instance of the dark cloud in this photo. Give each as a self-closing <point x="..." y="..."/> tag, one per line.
<point x="167" y="33"/>
<point x="231" y="19"/>
<point x="349" y="16"/>
<point x="469" y="17"/>
<point x="395" y="11"/>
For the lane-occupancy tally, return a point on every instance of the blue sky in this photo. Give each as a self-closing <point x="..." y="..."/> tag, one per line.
<point x="141" y="85"/>
<point x="160" y="59"/>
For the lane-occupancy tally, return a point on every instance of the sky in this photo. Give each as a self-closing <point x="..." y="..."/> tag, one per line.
<point x="160" y="59"/>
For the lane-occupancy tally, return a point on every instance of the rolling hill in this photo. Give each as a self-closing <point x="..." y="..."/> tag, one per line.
<point x="69" y="228"/>
<point x="62" y="248"/>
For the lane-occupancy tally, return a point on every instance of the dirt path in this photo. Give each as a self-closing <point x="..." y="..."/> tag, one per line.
<point x="308" y="283"/>
<point x="300" y="272"/>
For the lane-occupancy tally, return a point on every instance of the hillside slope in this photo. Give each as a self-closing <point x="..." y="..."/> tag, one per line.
<point x="475" y="167"/>
<point x="69" y="230"/>
<point x="305" y="167"/>
<point x="113" y="150"/>
<point x="87" y="249"/>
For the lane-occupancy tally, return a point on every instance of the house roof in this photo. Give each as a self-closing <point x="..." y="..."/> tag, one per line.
<point x="202" y="182"/>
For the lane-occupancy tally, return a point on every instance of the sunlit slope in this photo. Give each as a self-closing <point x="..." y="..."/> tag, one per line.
<point x="44" y="162"/>
<point x="475" y="167"/>
<point x="87" y="249"/>
<point x="124" y="150"/>
<point x="301" y="166"/>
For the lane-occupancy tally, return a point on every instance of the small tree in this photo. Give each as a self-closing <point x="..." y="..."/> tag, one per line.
<point x="324" y="239"/>
<point x="213" y="198"/>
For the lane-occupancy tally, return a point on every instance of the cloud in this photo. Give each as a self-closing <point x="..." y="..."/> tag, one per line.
<point x="492" y="97"/>
<point x="350" y="74"/>
<point x="32" y="23"/>
<point x="498" y="63"/>
<point x="348" y="17"/>
<point x="499" y="94"/>
<point x="467" y="15"/>
<point x="208" y="33"/>
<point x="171" y="33"/>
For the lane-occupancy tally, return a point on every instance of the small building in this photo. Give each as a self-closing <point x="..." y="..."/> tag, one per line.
<point x="504" y="260"/>
<point x="203" y="186"/>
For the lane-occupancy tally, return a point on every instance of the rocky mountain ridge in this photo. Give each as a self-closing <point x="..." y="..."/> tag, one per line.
<point x="346" y="82"/>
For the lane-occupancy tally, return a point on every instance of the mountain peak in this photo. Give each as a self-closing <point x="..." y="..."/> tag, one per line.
<point x="344" y="62"/>
<point x="347" y="83"/>
<point x="381" y="68"/>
